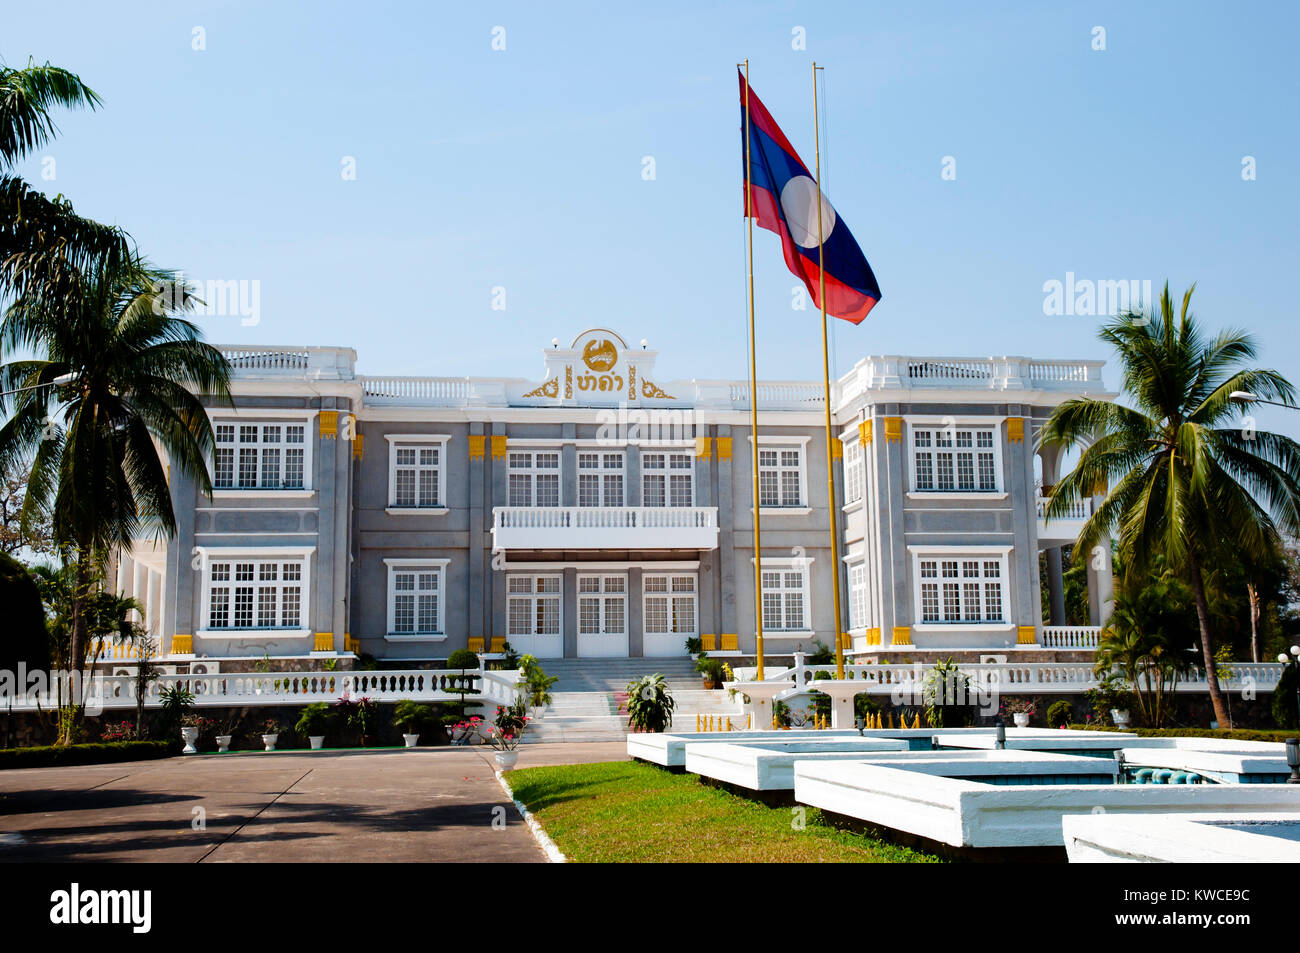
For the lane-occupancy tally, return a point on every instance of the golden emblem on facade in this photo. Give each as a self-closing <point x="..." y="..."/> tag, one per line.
<point x="600" y="355"/>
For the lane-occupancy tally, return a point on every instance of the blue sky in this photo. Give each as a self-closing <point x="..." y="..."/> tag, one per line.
<point x="522" y="168"/>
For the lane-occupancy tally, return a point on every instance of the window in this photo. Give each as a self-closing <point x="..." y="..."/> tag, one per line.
<point x="854" y="472"/>
<point x="600" y="479"/>
<point x="667" y="479"/>
<point x="670" y="605"/>
<point x="785" y="598"/>
<point x="534" y="477"/>
<point x="256" y="593"/>
<point x="780" y="477"/>
<point x="961" y="588"/>
<point x="417" y="477"/>
<point x="533" y="605"/>
<point x="954" y="459"/>
<point x="260" y="456"/>
<point x="415" y="598"/>
<point x="602" y="605"/>
<point x="858" y="596"/>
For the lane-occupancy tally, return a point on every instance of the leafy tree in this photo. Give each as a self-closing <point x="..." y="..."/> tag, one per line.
<point x="23" y="638"/>
<point x="1179" y="474"/>
<point x="38" y="538"/>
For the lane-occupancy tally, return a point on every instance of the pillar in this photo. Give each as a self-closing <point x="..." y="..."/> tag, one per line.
<point x="1055" y="587"/>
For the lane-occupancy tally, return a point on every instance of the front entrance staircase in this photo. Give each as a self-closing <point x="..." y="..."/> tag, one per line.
<point x="587" y="703"/>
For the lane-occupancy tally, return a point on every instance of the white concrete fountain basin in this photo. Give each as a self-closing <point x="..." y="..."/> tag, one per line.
<point x="769" y="765"/>
<point x="1045" y="739"/>
<point x="1182" y="839"/>
<point x="925" y="799"/>
<point x="669" y="748"/>
<point x="1234" y="767"/>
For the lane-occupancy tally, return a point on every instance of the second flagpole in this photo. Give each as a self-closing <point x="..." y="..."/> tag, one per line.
<point x="753" y="398"/>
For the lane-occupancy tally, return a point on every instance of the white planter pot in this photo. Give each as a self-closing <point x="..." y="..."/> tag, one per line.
<point x="316" y="741"/>
<point x="1021" y="718"/>
<point x="189" y="736"/>
<point x="506" y="759"/>
<point x="1120" y="717"/>
<point x="269" y="741"/>
<point x="411" y="740"/>
<point x="223" y="742"/>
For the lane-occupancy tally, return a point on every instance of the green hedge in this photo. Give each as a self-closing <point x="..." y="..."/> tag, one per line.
<point x="99" y="753"/>
<point x="1235" y="734"/>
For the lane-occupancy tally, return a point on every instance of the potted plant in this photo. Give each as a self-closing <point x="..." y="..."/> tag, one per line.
<point x="359" y="714"/>
<point x="270" y="733"/>
<point x="312" y="723"/>
<point x="177" y="700"/>
<point x="711" y="670"/>
<point x="1111" y="696"/>
<point x="506" y="731"/>
<point x="189" y="735"/>
<point x="649" y="703"/>
<point x="415" y="717"/>
<point x="694" y="646"/>
<point x="1020" y="710"/>
<point x="537" y="683"/>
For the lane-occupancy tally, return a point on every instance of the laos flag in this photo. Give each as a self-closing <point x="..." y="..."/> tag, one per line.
<point x="784" y="199"/>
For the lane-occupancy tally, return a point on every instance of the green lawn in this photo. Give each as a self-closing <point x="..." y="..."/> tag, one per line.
<point x="629" y="811"/>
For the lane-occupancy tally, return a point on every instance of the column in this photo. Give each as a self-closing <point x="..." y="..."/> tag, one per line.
<point x="635" y="622"/>
<point x="1101" y="585"/>
<point x="477" y="616"/>
<point x="569" y="611"/>
<point x="1055" y="587"/>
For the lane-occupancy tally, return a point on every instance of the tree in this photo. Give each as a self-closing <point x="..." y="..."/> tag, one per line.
<point x="1177" y="478"/>
<point x="23" y="639"/>
<point x="38" y="539"/>
<point x="43" y="241"/>
<point x="138" y="369"/>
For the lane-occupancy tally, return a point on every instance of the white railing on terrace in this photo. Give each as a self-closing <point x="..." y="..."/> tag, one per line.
<point x="779" y="394"/>
<point x="266" y="358"/>
<point x="604" y="517"/>
<point x="416" y="390"/>
<point x="308" y="363"/>
<point x="1019" y="678"/>
<point x="979" y="373"/>
<point x="1070" y="636"/>
<point x="1077" y="510"/>
<point x="292" y="688"/>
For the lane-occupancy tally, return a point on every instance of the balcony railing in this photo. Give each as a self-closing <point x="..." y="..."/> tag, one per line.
<point x="1077" y="510"/>
<point x="1070" y="636"/>
<point x="600" y="527"/>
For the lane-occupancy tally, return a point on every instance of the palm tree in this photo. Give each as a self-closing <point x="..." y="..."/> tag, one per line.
<point x="42" y="240"/>
<point x="1177" y="476"/>
<point x="138" y="367"/>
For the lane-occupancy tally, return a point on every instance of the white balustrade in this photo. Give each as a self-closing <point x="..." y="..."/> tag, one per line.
<point x="1076" y="510"/>
<point x="1070" y="636"/>
<point x="427" y="391"/>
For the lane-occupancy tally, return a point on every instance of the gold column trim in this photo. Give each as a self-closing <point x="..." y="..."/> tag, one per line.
<point x="724" y="448"/>
<point x="730" y="642"/>
<point x="893" y="430"/>
<point x="706" y="641"/>
<point x="873" y="636"/>
<point x="1016" y="429"/>
<point x="477" y="442"/>
<point x="864" y="433"/>
<point x="182" y="645"/>
<point x="329" y="424"/>
<point x="476" y="643"/>
<point x="324" y="642"/>
<point x="902" y="635"/>
<point x="837" y="448"/>
<point x="498" y="446"/>
<point x="1026" y="635"/>
<point x="703" y="448"/>
<point x="358" y="446"/>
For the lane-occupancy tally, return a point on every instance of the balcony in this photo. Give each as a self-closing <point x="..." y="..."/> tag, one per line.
<point x="1063" y="529"/>
<point x="604" y="527"/>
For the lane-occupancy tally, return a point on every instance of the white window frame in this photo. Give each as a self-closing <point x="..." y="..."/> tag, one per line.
<point x="669" y="596"/>
<point x="981" y="554"/>
<point x="855" y="472"/>
<point x="602" y="595"/>
<point x="532" y="471"/>
<point x="859" y="596"/>
<point x="600" y="472"/>
<point x="395" y="566"/>
<point x="259" y="417"/>
<point x="932" y="423"/>
<point x="780" y="443"/>
<point x="785" y="564"/>
<point x="258" y="556"/>
<point x="417" y="442"/>
<point x="667" y="472"/>
<point x="532" y="597"/>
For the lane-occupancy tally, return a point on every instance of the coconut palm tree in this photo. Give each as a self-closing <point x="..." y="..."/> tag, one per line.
<point x="138" y="368"/>
<point x="1179" y="472"/>
<point x="42" y="240"/>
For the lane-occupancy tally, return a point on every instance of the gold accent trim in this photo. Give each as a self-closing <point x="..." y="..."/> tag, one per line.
<point x="476" y="643"/>
<point x="707" y="642"/>
<point x="1026" y="635"/>
<point x="182" y="645"/>
<point x="724" y="448"/>
<point x="358" y="446"/>
<point x="568" y="382"/>
<point x="498" y="446"/>
<point x="324" y="642"/>
<point x="703" y="448"/>
<point x="652" y="390"/>
<point x="498" y="643"/>
<point x="329" y="424"/>
<point x="631" y="382"/>
<point x="873" y="636"/>
<point x="893" y="430"/>
<point x="730" y="642"/>
<point x="902" y="635"/>
<point x="864" y="433"/>
<point x="837" y="449"/>
<point x="350" y="644"/>
<point x="476" y="446"/>
<point x="549" y="388"/>
<point x="1016" y="429"/>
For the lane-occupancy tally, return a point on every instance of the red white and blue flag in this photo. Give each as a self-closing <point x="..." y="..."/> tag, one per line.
<point x="784" y="199"/>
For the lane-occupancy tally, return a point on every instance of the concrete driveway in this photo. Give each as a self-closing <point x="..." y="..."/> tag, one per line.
<point x="425" y="804"/>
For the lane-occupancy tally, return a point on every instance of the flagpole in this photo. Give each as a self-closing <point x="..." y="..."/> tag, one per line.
<point x="826" y="382"/>
<point x="753" y="395"/>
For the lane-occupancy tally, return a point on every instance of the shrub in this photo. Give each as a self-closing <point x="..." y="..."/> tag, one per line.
<point x="1284" y="699"/>
<point x="102" y="753"/>
<point x="649" y="703"/>
<point x="537" y="684"/>
<point x="1059" y="713"/>
<point x="117" y="731"/>
<point x="946" y="691"/>
<point x="820" y="655"/>
<point x="418" y="719"/>
<point x="314" y="720"/>
<point x="464" y="660"/>
<point x="710" y="668"/>
<point x="781" y="715"/>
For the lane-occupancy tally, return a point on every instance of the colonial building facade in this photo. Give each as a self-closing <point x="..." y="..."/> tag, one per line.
<point x="604" y="510"/>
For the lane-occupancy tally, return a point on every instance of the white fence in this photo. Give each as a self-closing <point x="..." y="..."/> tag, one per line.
<point x="604" y="517"/>
<point x="1070" y="636"/>
<point x="245" y="690"/>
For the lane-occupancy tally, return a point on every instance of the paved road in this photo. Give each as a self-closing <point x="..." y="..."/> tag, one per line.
<point x="426" y="804"/>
